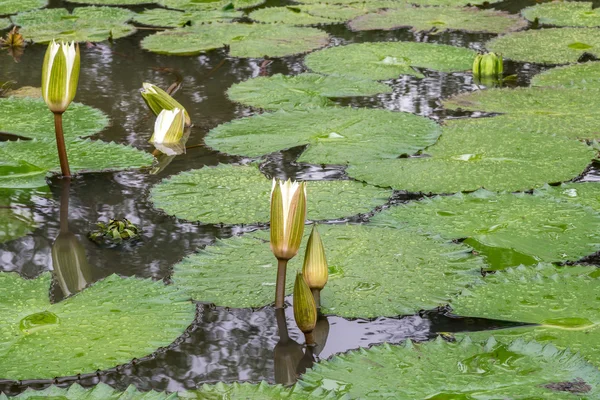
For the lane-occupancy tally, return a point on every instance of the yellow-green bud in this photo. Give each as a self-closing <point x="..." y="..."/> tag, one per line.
<point x="168" y="127"/>
<point x="315" y="264"/>
<point x="288" y="213"/>
<point x="60" y="75"/>
<point x="158" y="100"/>
<point x="305" y="309"/>
<point x="488" y="65"/>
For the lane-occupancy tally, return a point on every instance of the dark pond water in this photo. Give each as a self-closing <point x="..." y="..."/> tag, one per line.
<point x="223" y="344"/>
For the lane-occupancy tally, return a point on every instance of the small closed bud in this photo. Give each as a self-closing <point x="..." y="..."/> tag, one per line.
<point x="489" y="65"/>
<point x="305" y="310"/>
<point x="315" y="264"/>
<point x="60" y="75"/>
<point x="168" y="127"/>
<point x="158" y="100"/>
<point x="288" y="214"/>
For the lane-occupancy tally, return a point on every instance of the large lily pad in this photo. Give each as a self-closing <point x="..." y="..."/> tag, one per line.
<point x="561" y="112"/>
<point x="493" y="153"/>
<point x="403" y="2"/>
<point x="548" y="46"/>
<point x="578" y="76"/>
<point x="301" y="91"/>
<point x="289" y="15"/>
<point x="101" y="391"/>
<point x="244" y="40"/>
<point x="8" y="7"/>
<point x="25" y="164"/>
<point x="204" y="5"/>
<point x="109" y="323"/>
<point x="564" y="13"/>
<point x="112" y="2"/>
<point x="246" y="391"/>
<point x="469" y="19"/>
<point x="15" y="217"/>
<point x="345" y="12"/>
<point x="462" y="370"/>
<point x="174" y="19"/>
<point x="333" y="135"/>
<point x="5" y="23"/>
<point x="584" y="193"/>
<point x="541" y="226"/>
<point x="241" y="195"/>
<point x="85" y="24"/>
<point x="388" y="60"/>
<point x="78" y="121"/>
<point x="373" y="271"/>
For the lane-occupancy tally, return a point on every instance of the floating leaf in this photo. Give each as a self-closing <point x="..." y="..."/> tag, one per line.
<point x="85" y="24"/>
<point x="461" y="370"/>
<point x="289" y="15"/>
<point x="240" y="195"/>
<point x="26" y="163"/>
<point x="204" y="5"/>
<point x="8" y="7"/>
<point x="537" y="225"/>
<point x="567" y="13"/>
<point x="100" y="391"/>
<point x="548" y="46"/>
<point x="333" y="135"/>
<point x="247" y="391"/>
<point x="373" y="271"/>
<point x="5" y="23"/>
<point x="15" y="217"/>
<point x="388" y="60"/>
<point x="244" y="40"/>
<point x="493" y="153"/>
<point x="578" y="76"/>
<point x="560" y="112"/>
<point x="301" y="91"/>
<point x="584" y="193"/>
<point x="440" y="19"/>
<point x="78" y="121"/>
<point x="403" y="2"/>
<point x="345" y="12"/>
<point x="113" y="2"/>
<point x="173" y="19"/>
<point x="107" y="324"/>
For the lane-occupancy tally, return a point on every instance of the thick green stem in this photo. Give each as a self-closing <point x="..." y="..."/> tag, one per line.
<point x="317" y="295"/>
<point x="60" y="145"/>
<point x="280" y="286"/>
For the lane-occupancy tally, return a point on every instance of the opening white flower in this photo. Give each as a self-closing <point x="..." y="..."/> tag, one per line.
<point x="158" y="100"/>
<point x="60" y="75"/>
<point x="288" y="214"/>
<point x="168" y="127"/>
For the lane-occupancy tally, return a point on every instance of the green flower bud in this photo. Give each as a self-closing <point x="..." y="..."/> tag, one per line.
<point x="488" y="65"/>
<point x="288" y="213"/>
<point x="305" y="310"/>
<point x="60" y="75"/>
<point x="315" y="264"/>
<point x="168" y="127"/>
<point x="158" y="100"/>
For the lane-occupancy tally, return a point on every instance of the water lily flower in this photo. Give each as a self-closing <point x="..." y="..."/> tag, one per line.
<point x="168" y="127"/>
<point x="60" y="75"/>
<point x="315" y="265"/>
<point x="305" y="310"/>
<point x="158" y="100"/>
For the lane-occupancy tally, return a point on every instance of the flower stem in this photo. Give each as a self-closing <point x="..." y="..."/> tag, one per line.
<point x="280" y="286"/>
<point x="60" y="145"/>
<point x="317" y="295"/>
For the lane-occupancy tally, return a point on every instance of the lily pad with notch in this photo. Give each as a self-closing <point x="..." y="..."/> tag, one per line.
<point x="564" y="13"/>
<point x="174" y="19"/>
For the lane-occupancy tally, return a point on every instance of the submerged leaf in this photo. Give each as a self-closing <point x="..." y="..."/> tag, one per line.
<point x="564" y="13"/>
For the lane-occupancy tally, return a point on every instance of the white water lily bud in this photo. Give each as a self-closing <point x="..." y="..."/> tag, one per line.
<point x="315" y="264"/>
<point x="168" y="127"/>
<point x="158" y="100"/>
<point x="60" y="75"/>
<point x="288" y="213"/>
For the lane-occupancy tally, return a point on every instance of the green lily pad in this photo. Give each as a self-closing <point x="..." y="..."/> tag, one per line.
<point x="493" y="153"/>
<point x="389" y="60"/>
<point x="440" y="19"/>
<point x="289" y="15"/>
<point x="578" y="76"/>
<point x="560" y="112"/>
<point x="547" y="46"/>
<point x="543" y="227"/>
<point x="403" y="2"/>
<point x="101" y="391"/>
<point x="112" y="2"/>
<point x="333" y="135"/>
<point x="244" y="40"/>
<point x="16" y="219"/>
<point x="241" y="195"/>
<point x="204" y="5"/>
<point x="5" y="23"/>
<point x="174" y="19"/>
<point x="25" y="164"/>
<point x="85" y="24"/>
<point x="461" y="370"/>
<point x="8" y="7"/>
<point x="372" y="271"/>
<point x="107" y="324"/>
<point x="78" y="121"/>
<point x="301" y="91"/>
<point x="246" y="391"/>
<point x="584" y="193"/>
<point x="564" y="13"/>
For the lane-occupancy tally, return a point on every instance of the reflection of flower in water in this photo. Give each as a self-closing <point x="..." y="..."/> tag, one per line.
<point x="288" y="353"/>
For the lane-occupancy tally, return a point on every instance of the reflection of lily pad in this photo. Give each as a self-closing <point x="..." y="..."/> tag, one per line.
<point x="536" y="225"/>
<point x="379" y="271"/>
<point x="15" y="6"/>
<point x="301" y="91"/>
<point x="5" y="23"/>
<point x="173" y="19"/>
<point x="79" y="120"/>
<point x="244" y="40"/>
<point x="204" y="5"/>
<point x="548" y="46"/>
<point x="26" y="163"/>
<point x="236" y="195"/>
<point x="85" y="24"/>
<point x="333" y="135"/>
<point x="439" y="18"/>
<point x="289" y="15"/>
<point x="494" y="153"/>
<point x="461" y="370"/>
<point x="564" y="13"/>
<point x="388" y="60"/>
<point x="15" y="216"/>
<point x="578" y="76"/>
<point x="560" y="112"/>
<point x="101" y="391"/>
<point x="107" y="324"/>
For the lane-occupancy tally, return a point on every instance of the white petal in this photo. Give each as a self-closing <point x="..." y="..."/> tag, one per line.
<point x="54" y="47"/>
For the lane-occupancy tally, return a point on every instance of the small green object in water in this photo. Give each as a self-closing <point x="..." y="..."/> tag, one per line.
<point x="488" y="68"/>
<point x="116" y="231"/>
